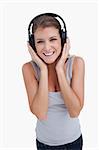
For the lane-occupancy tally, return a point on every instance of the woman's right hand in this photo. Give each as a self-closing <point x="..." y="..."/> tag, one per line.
<point x="35" y="58"/>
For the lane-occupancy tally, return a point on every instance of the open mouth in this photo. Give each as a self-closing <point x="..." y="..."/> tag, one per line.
<point x="48" y="54"/>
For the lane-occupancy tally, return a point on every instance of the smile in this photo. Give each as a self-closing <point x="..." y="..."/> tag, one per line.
<point x="48" y="54"/>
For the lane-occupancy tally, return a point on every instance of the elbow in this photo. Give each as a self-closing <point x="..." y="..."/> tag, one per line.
<point x="39" y="115"/>
<point x="42" y="117"/>
<point x="74" y="114"/>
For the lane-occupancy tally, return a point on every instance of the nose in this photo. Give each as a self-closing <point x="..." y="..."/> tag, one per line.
<point x="47" y="46"/>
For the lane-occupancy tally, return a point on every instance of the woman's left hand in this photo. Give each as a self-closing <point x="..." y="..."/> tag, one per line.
<point x="64" y="56"/>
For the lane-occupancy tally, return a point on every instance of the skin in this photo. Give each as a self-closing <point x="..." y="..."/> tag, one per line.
<point x="53" y="74"/>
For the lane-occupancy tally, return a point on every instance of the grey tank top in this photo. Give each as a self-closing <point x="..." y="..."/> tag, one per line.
<point x="59" y="128"/>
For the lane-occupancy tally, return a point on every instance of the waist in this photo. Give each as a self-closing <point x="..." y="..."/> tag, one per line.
<point x="78" y="141"/>
<point x="58" y="128"/>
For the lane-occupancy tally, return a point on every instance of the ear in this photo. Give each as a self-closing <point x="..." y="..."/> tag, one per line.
<point x="32" y="42"/>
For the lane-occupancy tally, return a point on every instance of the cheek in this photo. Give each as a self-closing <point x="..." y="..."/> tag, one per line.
<point x="59" y="46"/>
<point x="38" y="47"/>
<point x="39" y="53"/>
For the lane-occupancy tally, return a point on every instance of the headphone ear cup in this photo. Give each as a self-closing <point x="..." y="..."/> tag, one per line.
<point x="32" y="42"/>
<point x="64" y="36"/>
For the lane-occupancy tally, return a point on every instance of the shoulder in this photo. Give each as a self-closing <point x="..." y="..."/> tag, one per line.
<point x="27" y="67"/>
<point x="78" y="63"/>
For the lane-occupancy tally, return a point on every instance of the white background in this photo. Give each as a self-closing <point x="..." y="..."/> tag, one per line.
<point x="17" y="123"/>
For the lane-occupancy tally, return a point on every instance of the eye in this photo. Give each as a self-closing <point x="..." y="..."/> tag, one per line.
<point x="53" y="39"/>
<point x="40" y="42"/>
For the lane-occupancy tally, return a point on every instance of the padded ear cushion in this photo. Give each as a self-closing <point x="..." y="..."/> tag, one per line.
<point x="31" y="41"/>
<point x="64" y="36"/>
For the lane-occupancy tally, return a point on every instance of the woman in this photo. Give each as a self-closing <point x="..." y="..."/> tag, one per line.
<point x="54" y="82"/>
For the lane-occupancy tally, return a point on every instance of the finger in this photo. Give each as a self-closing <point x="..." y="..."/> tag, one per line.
<point x="30" y="49"/>
<point x="68" y="42"/>
<point x="65" y="48"/>
<point x="29" y="46"/>
<point x="64" y="51"/>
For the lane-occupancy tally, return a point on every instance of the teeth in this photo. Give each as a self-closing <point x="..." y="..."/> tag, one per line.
<point x="48" y="54"/>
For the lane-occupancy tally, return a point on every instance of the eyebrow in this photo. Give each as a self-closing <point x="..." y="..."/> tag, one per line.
<point x="49" y="38"/>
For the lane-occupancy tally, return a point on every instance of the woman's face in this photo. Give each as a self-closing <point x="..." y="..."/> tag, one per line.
<point x="48" y="43"/>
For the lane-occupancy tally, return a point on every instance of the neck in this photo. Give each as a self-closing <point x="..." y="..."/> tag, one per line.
<point x="51" y="67"/>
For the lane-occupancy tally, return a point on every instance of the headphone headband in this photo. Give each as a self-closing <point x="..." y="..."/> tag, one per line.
<point x="48" y="14"/>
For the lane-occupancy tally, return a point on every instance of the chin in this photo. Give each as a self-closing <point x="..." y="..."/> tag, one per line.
<point x="49" y="61"/>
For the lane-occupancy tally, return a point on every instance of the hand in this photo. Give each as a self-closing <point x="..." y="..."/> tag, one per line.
<point x="35" y="58"/>
<point x="64" y="56"/>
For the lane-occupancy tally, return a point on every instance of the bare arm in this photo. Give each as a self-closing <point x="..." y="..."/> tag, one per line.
<point x="74" y="95"/>
<point x="37" y="92"/>
<point x="40" y="102"/>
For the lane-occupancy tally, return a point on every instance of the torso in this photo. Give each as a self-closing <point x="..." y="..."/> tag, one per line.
<point x="53" y="85"/>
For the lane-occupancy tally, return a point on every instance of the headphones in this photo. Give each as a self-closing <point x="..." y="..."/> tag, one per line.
<point x="63" y="31"/>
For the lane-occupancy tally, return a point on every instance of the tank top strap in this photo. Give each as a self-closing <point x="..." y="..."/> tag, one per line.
<point x="36" y="69"/>
<point x="71" y="65"/>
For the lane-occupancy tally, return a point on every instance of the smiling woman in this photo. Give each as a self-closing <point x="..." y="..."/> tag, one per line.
<point x="52" y="80"/>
